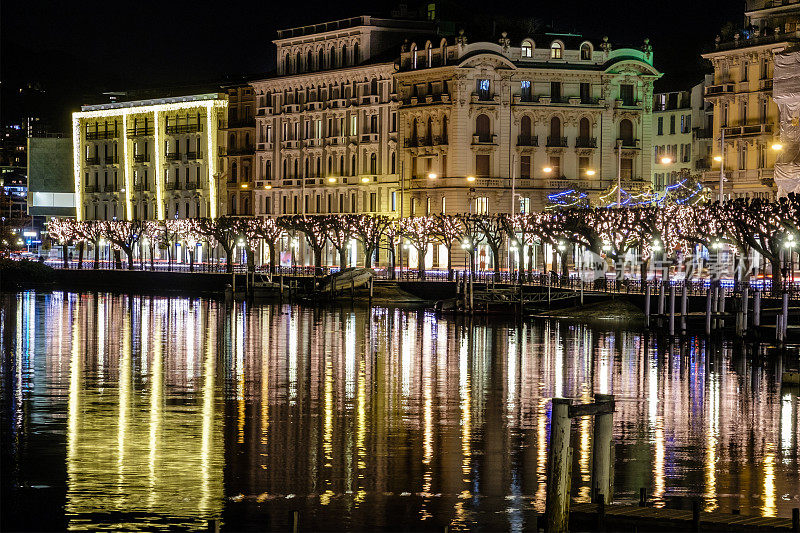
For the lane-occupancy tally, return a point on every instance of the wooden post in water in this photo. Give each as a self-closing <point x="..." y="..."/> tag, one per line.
<point x="602" y="444"/>
<point x="213" y="526"/>
<point x="785" y="315"/>
<point x="661" y="302"/>
<point x="294" y="521"/>
<point x="745" y="305"/>
<point x="757" y="309"/>
<point x="708" y="310"/>
<point x="684" y="307"/>
<point x="672" y="311"/>
<point x="647" y="304"/>
<point x="721" y="306"/>
<point x="556" y="514"/>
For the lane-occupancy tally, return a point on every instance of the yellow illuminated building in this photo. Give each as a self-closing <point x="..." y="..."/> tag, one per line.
<point x="148" y="159"/>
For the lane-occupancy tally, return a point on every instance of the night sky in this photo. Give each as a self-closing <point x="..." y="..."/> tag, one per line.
<point x="75" y="50"/>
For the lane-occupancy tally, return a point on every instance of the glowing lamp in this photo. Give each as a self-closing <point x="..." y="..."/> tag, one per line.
<point x="365" y="180"/>
<point x="718" y="158"/>
<point x="331" y="180"/>
<point x="590" y="172"/>
<point x="268" y="187"/>
<point x="470" y="178"/>
<point x="777" y="146"/>
<point x="432" y="176"/>
<point x="666" y="160"/>
<point x="548" y="170"/>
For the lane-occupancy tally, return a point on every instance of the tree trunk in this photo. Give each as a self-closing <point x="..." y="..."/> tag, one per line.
<point x="495" y="258"/>
<point x="96" y="246"/>
<point x="368" y="257"/>
<point x="81" y="246"/>
<point x="65" y="253"/>
<point x="450" y="262"/>
<point x="392" y="262"/>
<point x="342" y="257"/>
<point x="272" y="259"/>
<point x="421" y="262"/>
<point x="317" y="261"/>
<point x="777" y="275"/>
<point x="530" y="262"/>
<point x="228" y="259"/>
<point x="129" y="255"/>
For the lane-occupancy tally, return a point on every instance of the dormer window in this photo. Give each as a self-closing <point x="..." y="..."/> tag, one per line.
<point x="556" y="50"/>
<point x="586" y="52"/>
<point x="483" y="90"/>
<point x="414" y="56"/>
<point x="527" y="48"/>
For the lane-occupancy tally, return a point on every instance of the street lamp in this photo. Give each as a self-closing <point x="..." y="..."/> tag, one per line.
<point x="547" y="170"/>
<point x="777" y="146"/>
<point x="666" y="160"/>
<point x="331" y="180"/>
<point x="432" y="176"/>
<point x="470" y="178"/>
<point x="590" y="172"/>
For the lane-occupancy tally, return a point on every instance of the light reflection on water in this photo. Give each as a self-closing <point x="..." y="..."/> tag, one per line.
<point x="179" y="410"/>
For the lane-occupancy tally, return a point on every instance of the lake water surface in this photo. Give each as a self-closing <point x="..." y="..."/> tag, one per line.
<point x="127" y="412"/>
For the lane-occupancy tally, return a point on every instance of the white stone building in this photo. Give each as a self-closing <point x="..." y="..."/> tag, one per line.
<point x="148" y="159"/>
<point x="326" y="123"/>
<point x="542" y="114"/>
<point x="682" y="124"/>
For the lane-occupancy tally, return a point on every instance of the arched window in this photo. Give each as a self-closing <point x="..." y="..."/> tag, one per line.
<point x="247" y="139"/>
<point x="373" y="86"/>
<point x="344" y="55"/>
<point x="233" y="204"/>
<point x="330" y="165"/>
<point x="353" y="165"/>
<point x="232" y="142"/>
<point x="332" y="58"/>
<point x="525" y="131"/>
<point x="309" y="60"/>
<point x="429" y="131"/>
<point x="527" y="48"/>
<point x="246" y="206"/>
<point x="373" y="163"/>
<point x="234" y="171"/>
<point x="428" y="55"/>
<point x="356" y="56"/>
<point x="586" y="52"/>
<point x="414" y="131"/>
<point x="286" y="64"/>
<point x="626" y="132"/>
<point x="321" y="59"/>
<point x="298" y="62"/>
<point x="341" y="165"/>
<point x="414" y="56"/>
<point x="584" y="130"/>
<point x="444" y="130"/>
<point x="555" y="132"/>
<point x="556" y="50"/>
<point x="482" y="128"/>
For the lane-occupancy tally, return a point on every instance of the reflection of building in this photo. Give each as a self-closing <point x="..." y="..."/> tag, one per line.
<point x="547" y="110"/>
<point x="682" y="123"/>
<point x="742" y="97"/>
<point x="326" y="139"/>
<point x="238" y="148"/>
<point x="787" y="97"/>
<point x="51" y="187"/>
<point x="145" y="159"/>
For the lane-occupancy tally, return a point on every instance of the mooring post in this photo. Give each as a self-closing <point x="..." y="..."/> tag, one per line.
<point x="672" y="311"/>
<point x="213" y="526"/>
<point x="796" y="520"/>
<point x="602" y="443"/>
<point x="708" y="310"/>
<point x="684" y="307"/>
<point x="647" y="304"/>
<point x="371" y="283"/>
<point x="757" y="309"/>
<point x="779" y="327"/>
<point x="785" y="313"/>
<point x="642" y="497"/>
<point x="661" y="302"/>
<point x="601" y="513"/>
<point x="695" y="515"/>
<point x="556" y="514"/>
<point x="745" y="305"/>
<point x="294" y="520"/>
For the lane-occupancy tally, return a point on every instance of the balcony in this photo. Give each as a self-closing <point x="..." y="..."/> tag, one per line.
<point x="194" y="156"/>
<point x="140" y="132"/>
<point x="242" y="150"/>
<point x="141" y="158"/>
<point x="173" y="156"/>
<point x="191" y="185"/>
<point x="765" y="85"/>
<point x="111" y="160"/>
<point x="291" y="108"/>
<point x="369" y="137"/>
<point x="751" y="130"/>
<point x="586" y="142"/>
<point x="484" y="139"/>
<point x="109" y="188"/>
<point x="139" y="187"/>
<point x="629" y="143"/>
<point x="369" y="99"/>
<point x="89" y="189"/>
<point x="528" y="140"/>
<point x="171" y="185"/>
<point x="719" y="90"/>
<point x="99" y="135"/>
<point x="92" y="160"/>
<point x="556" y="142"/>
<point x="175" y="129"/>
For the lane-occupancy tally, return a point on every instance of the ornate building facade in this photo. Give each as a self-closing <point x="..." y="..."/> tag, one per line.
<point x="326" y="124"/>
<point x="238" y="152"/>
<point x="148" y="159"/>
<point x="741" y="93"/>
<point x="539" y="116"/>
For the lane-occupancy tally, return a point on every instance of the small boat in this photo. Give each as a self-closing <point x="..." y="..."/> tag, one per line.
<point x="349" y="278"/>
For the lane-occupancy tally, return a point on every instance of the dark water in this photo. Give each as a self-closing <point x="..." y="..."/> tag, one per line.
<point x="144" y="413"/>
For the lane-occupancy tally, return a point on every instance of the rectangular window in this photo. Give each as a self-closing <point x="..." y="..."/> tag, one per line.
<point x="583" y="166"/>
<point x="555" y="91"/>
<point x="525" y="90"/>
<point x="444" y="205"/>
<point x="672" y="125"/>
<point x="627" y="168"/>
<point x="354" y="125"/>
<point x="626" y="94"/>
<point x="483" y="90"/>
<point x="660" y="126"/>
<point x="482" y="165"/>
<point x="525" y="166"/>
<point x="586" y="93"/>
<point x="482" y="205"/>
<point x="524" y="205"/>
<point x="373" y="202"/>
<point x="394" y="201"/>
<point x="555" y="165"/>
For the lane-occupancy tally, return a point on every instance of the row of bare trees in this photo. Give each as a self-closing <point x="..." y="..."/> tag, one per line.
<point x="746" y="225"/>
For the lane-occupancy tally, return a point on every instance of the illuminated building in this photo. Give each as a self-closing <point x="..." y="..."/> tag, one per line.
<point x="545" y="112"/>
<point x="148" y="159"/>
<point x="237" y="154"/>
<point x="51" y="189"/>
<point x="742" y="97"/>
<point x="326" y="123"/>
<point x="682" y="122"/>
<point x="787" y="97"/>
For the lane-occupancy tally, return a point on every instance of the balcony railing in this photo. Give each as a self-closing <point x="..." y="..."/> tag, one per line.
<point x="139" y="187"/>
<point x="89" y="188"/>
<point x="242" y="123"/>
<point x="139" y="132"/>
<point x="556" y="142"/>
<point x="629" y="143"/>
<point x="722" y="88"/>
<point x="109" y="188"/>
<point x="92" y="160"/>
<point x="172" y="185"/>
<point x="141" y="158"/>
<point x="586" y="142"/>
<point x="174" y="129"/>
<point x="191" y="185"/>
<point x="528" y="140"/>
<point x="240" y="150"/>
<point x="111" y="160"/>
<point x="173" y="156"/>
<point x="483" y="138"/>
<point x="98" y="135"/>
<point x="748" y="130"/>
